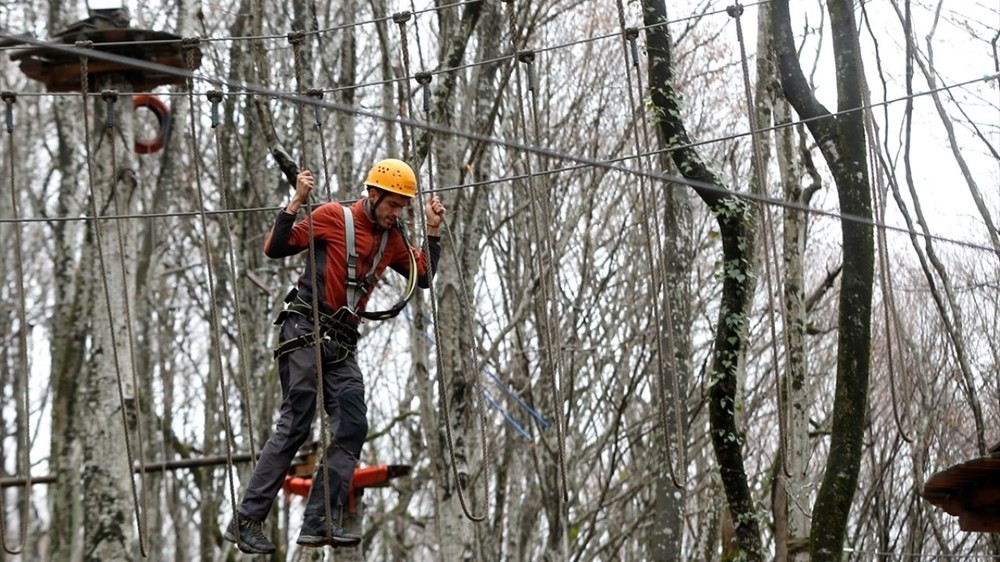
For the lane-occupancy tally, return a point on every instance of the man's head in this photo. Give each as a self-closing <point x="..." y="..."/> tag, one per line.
<point x="391" y="185"/>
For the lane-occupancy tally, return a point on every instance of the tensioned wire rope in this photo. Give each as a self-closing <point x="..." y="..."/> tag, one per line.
<point x="22" y="349"/>
<point x="137" y="498"/>
<point x="394" y="17"/>
<point x="581" y="162"/>
<point x="237" y="38"/>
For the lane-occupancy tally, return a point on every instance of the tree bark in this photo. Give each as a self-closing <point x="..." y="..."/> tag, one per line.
<point x="841" y="139"/>
<point x="735" y="220"/>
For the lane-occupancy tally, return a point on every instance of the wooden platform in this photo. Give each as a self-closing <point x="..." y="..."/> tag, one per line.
<point x="59" y="70"/>
<point x="969" y="491"/>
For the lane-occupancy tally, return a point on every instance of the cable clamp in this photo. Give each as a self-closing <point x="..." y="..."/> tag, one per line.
<point x="109" y="97"/>
<point x="215" y="97"/>
<point x="9" y="98"/>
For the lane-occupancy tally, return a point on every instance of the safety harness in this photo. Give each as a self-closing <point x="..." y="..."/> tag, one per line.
<point x="334" y="328"/>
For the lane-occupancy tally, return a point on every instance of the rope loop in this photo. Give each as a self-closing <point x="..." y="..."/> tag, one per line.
<point x="190" y="43"/>
<point x="735" y="11"/>
<point x="109" y="97"/>
<point x="401" y="17"/>
<point x="84" y="44"/>
<point x="296" y="36"/>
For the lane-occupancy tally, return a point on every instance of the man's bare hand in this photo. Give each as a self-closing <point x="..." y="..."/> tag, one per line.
<point x="304" y="183"/>
<point x="434" y="212"/>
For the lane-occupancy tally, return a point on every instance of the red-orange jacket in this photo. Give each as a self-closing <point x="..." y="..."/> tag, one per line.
<point x="288" y="238"/>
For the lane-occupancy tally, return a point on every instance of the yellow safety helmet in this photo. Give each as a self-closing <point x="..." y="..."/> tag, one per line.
<point x="393" y="175"/>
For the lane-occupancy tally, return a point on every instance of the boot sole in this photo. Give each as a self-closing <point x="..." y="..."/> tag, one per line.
<point x="315" y="541"/>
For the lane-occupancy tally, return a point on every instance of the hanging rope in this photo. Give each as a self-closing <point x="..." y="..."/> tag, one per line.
<point x="110" y="97"/>
<point x="296" y="38"/>
<point x="770" y="260"/>
<point x="424" y="79"/>
<point x="188" y="47"/>
<point x="9" y="99"/>
<point x="657" y="270"/>
<point x="547" y="291"/>
<point x="215" y="97"/>
<point x="318" y="94"/>
<point x="401" y="18"/>
<point x="890" y="312"/>
<point x="99" y="243"/>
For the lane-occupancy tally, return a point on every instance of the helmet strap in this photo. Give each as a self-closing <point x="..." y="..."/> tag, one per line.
<point x="369" y="206"/>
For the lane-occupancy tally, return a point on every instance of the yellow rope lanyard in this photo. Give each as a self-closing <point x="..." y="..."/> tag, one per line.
<point x="188" y="46"/>
<point x="658" y="272"/>
<point x="9" y="98"/>
<point x="109" y="97"/>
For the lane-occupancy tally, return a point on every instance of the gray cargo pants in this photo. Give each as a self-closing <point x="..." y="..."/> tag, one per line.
<point x="344" y="402"/>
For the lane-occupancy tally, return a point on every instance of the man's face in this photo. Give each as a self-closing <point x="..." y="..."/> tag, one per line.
<point x="388" y="207"/>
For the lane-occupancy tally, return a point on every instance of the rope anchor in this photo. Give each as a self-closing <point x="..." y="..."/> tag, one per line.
<point x="9" y="98"/>
<point x="424" y="79"/>
<point x="215" y="97"/>
<point x="528" y="57"/>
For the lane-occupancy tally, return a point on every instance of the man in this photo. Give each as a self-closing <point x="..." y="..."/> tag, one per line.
<point x="353" y="246"/>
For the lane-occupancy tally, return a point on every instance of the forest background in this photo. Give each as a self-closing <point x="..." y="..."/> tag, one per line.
<point x="654" y="335"/>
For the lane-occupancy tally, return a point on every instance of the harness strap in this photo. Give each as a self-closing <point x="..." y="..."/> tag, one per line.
<point x="357" y="288"/>
<point x="332" y="328"/>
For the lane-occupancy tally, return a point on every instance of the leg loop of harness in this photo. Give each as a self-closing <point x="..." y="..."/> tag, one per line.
<point x="338" y="337"/>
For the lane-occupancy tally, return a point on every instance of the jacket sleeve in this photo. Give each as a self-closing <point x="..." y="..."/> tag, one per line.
<point x="434" y="252"/>
<point x="279" y="240"/>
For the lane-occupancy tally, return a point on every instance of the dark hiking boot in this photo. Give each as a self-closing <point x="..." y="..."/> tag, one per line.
<point x="250" y="537"/>
<point x="317" y="531"/>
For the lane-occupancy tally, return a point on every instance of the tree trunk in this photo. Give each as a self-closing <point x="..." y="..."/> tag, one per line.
<point x="841" y="139"/>
<point x="735" y="218"/>
<point x="108" y="393"/>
